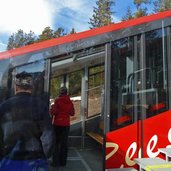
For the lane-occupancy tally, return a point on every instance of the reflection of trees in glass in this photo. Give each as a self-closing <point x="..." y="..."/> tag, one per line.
<point x="74" y="91"/>
<point x="38" y="83"/>
<point x="54" y="87"/>
<point x="75" y="83"/>
<point x="95" y="86"/>
<point x="154" y="53"/>
<point x="96" y="76"/>
<point x="96" y="79"/>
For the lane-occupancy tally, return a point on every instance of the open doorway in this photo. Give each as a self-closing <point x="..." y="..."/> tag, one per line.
<point x="85" y="81"/>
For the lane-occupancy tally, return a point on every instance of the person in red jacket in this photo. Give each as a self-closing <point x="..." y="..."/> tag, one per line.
<point x="61" y="111"/>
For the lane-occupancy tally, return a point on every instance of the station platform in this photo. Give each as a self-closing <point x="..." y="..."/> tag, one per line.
<point x="82" y="160"/>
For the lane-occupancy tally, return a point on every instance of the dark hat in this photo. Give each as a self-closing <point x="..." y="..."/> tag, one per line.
<point x="63" y="90"/>
<point x="24" y="80"/>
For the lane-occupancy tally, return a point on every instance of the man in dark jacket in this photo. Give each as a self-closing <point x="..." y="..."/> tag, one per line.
<point x="61" y="111"/>
<point x="26" y="133"/>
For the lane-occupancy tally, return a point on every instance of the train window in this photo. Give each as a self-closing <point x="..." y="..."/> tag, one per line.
<point x="138" y="86"/>
<point x="7" y="79"/>
<point x="36" y="69"/>
<point x="55" y="84"/>
<point x="75" y="93"/>
<point x="4" y="80"/>
<point x="73" y="82"/>
<point x="122" y="65"/>
<point x="156" y="60"/>
<point x="95" y="88"/>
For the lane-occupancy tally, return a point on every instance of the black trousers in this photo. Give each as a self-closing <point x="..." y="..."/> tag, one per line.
<point x="61" y="146"/>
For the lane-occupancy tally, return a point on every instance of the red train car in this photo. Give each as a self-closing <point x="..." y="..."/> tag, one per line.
<point x="121" y="75"/>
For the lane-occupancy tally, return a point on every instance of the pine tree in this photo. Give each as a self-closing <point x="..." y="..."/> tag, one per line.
<point x="141" y="11"/>
<point x="20" y="39"/>
<point x="59" y="32"/>
<point x="162" y="5"/>
<point x="47" y="34"/>
<point x="11" y="42"/>
<point x="102" y="14"/>
<point x="72" y="31"/>
<point x="30" y="38"/>
<point x="128" y="15"/>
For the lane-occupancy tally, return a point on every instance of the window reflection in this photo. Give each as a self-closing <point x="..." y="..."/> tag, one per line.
<point x="156" y="61"/>
<point x="73" y="82"/>
<point x="75" y="93"/>
<point x="36" y="69"/>
<point x="55" y="84"/>
<point x="95" y="88"/>
<point x="4" y="77"/>
<point x="122" y="65"/>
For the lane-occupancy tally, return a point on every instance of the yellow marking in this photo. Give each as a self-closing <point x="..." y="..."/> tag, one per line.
<point x="148" y="168"/>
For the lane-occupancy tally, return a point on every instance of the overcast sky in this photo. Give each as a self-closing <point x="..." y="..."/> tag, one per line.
<point x="35" y="15"/>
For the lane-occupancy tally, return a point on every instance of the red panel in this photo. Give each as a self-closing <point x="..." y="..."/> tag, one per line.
<point x="82" y="35"/>
<point x="126" y="142"/>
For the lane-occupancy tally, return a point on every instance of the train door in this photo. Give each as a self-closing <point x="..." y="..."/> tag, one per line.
<point x="73" y="82"/>
<point x="83" y="75"/>
<point x="65" y="75"/>
<point x="85" y="82"/>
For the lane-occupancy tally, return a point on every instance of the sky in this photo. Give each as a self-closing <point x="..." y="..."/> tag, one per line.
<point x="35" y="15"/>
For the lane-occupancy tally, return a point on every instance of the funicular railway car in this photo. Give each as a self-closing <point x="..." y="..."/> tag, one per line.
<point x="119" y="78"/>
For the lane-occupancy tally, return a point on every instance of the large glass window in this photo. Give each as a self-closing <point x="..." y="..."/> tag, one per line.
<point x="55" y="84"/>
<point x="36" y="69"/>
<point x="95" y="89"/>
<point x="73" y="82"/>
<point x="75" y="93"/>
<point x="138" y="78"/>
<point x="5" y="89"/>
<point x="156" y="75"/>
<point x="122" y="65"/>
<point x="7" y="78"/>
